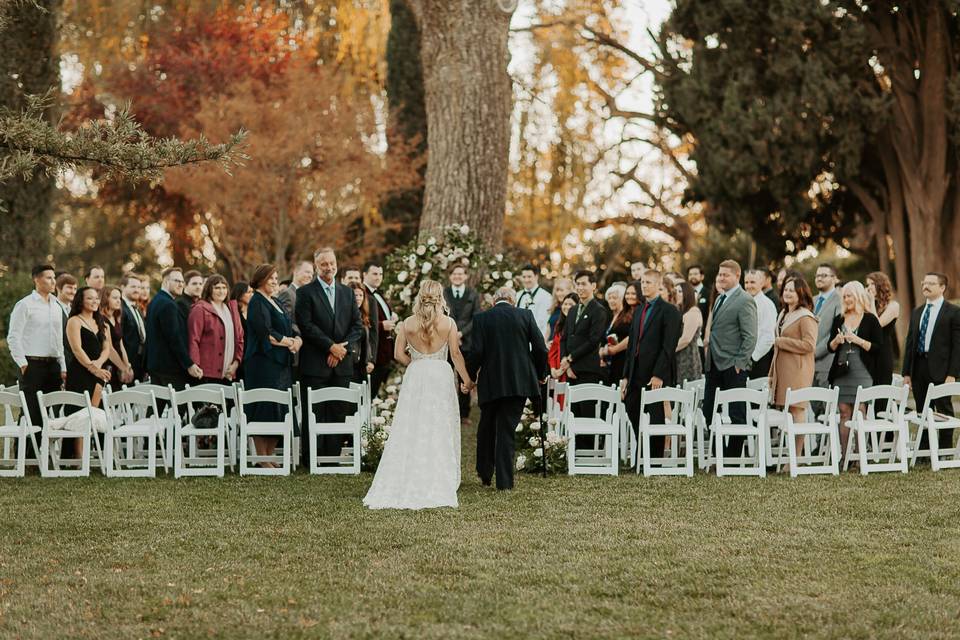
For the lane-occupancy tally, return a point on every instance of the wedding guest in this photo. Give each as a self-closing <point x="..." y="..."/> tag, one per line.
<point x="880" y="289"/>
<point x="215" y="334"/>
<point x="689" y="365"/>
<point x="856" y="342"/>
<point x="364" y="359"/>
<point x="753" y="281"/>
<point x="269" y="344"/>
<point x="695" y="276"/>
<point x="562" y="287"/>
<point x="385" y="320"/>
<point x="90" y="343"/>
<point x="618" y="331"/>
<point x="636" y="271"/>
<point x="826" y="306"/>
<point x="330" y="324"/>
<point x="769" y="290"/>
<point x="583" y="337"/>
<point x="795" y="340"/>
<point x="351" y="275"/>
<point x="144" y="300"/>
<point x="554" y="354"/>
<point x="35" y="339"/>
<point x="284" y="284"/>
<point x="535" y="298"/>
<point x="95" y="278"/>
<point x="302" y="275"/>
<point x="668" y="288"/>
<point x="193" y="286"/>
<point x="464" y="303"/>
<point x="111" y="310"/>
<point x="66" y="292"/>
<point x="654" y="333"/>
<point x="932" y="350"/>
<point x="134" y="328"/>
<point x="730" y="341"/>
<point x="168" y="361"/>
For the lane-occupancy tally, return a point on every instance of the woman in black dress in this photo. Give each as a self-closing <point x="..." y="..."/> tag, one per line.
<point x="614" y="353"/>
<point x="112" y="313"/>
<point x="888" y="310"/>
<point x="240" y="296"/>
<point x="90" y="344"/>
<point x="268" y="352"/>
<point x="364" y="358"/>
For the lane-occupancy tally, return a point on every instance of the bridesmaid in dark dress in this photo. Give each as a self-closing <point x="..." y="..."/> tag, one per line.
<point x="240" y="295"/>
<point x="888" y="310"/>
<point x="268" y="351"/>
<point x="90" y="345"/>
<point x="112" y="312"/>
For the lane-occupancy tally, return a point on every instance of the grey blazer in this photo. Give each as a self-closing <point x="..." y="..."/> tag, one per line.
<point x="733" y="332"/>
<point x="829" y="310"/>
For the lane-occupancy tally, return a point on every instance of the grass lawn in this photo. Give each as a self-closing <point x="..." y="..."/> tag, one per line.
<point x="850" y="557"/>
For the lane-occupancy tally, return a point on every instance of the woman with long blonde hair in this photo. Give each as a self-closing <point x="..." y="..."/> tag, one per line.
<point x="420" y="466"/>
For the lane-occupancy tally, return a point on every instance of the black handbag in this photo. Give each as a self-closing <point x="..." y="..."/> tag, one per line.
<point x="207" y="417"/>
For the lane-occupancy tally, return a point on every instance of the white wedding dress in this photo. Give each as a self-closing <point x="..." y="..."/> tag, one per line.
<point x="420" y="466"/>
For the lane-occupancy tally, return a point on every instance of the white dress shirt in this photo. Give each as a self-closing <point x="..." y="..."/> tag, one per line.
<point x="932" y="322"/>
<point x="538" y="301"/>
<point x="766" y="324"/>
<point x="380" y="301"/>
<point x="36" y="330"/>
<point x="458" y="291"/>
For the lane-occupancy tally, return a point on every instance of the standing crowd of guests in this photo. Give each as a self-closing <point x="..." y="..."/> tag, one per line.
<point x="659" y="329"/>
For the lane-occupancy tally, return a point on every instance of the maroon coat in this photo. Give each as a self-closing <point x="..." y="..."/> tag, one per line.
<point x="207" y="337"/>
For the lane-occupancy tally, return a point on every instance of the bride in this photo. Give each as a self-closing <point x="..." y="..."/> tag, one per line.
<point x="420" y="466"/>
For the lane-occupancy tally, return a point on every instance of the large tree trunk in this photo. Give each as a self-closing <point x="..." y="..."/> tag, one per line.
<point x="468" y="98"/>
<point x="28" y="65"/>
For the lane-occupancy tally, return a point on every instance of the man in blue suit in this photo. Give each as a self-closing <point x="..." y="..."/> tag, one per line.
<point x="168" y="361"/>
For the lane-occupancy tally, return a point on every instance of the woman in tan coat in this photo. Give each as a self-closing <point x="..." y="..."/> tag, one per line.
<point x="793" y="346"/>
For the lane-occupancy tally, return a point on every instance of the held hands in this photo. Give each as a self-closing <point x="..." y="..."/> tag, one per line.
<point x="467" y="386"/>
<point x="339" y="350"/>
<point x="195" y="371"/>
<point x="657" y="383"/>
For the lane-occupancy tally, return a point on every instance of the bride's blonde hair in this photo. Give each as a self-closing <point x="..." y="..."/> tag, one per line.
<point x="429" y="307"/>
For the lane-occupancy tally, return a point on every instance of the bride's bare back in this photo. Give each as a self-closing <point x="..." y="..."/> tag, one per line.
<point x="439" y="336"/>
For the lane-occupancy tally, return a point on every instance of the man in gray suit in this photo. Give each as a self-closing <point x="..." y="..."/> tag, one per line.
<point x="826" y="306"/>
<point x="729" y="345"/>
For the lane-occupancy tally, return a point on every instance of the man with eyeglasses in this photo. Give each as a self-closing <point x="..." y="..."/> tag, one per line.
<point x="826" y="306"/>
<point x="168" y="361"/>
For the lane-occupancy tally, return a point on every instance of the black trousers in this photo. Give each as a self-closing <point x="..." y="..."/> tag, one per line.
<point x="495" y="439"/>
<point x="41" y="375"/>
<point x="657" y="416"/>
<point x="378" y="377"/>
<point x="721" y="381"/>
<point x="327" y="445"/>
<point x="761" y="368"/>
<point x="921" y="380"/>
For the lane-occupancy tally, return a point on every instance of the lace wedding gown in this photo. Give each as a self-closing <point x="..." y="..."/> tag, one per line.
<point x="420" y="466"/>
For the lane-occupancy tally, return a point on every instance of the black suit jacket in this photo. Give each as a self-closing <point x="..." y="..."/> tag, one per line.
<point x="321" y="327"/>
<point x="582" y="340"/>
<point x="462" y="311"/>
<point x="131" y="336"/>
<point x="508" y="350"/>
<point x="655" y="353"/>
<point x="381" y="340"/>
<point x="943" y="358"/>
<point x="166" y="332"/>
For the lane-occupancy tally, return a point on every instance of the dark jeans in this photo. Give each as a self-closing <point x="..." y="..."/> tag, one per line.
<point x="327" y="445"/>
<point x="41" y="375"/>
<point x="495" y="439"/>
<point x="657" y="416"/>
<point x="921" y="380"/>
<point x="761" y="368"/>
<point x="723" y="380"/>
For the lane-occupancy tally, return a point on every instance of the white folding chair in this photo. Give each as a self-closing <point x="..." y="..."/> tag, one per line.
<point x="348" y="461"/>
<point x="554" y="406"/>
<point x="759" y="384"/>
<point x="810" y="428"/>
<point x="164" y="397"/>
<point x="231" y="422"/>
<point x="186" y="404"/>
<point x="16" y="429"/>
<point x="678" y="426"/>
<point x="58" y="425"/>
<point x="131" y="415"/>
<point x="605" y="423"/>
<point x="282" y="429"/>
<point x="933" y="422"/>
<point x="870" y="422"/>
<point x="754" y="429"/>
<point x="701" y="435"/>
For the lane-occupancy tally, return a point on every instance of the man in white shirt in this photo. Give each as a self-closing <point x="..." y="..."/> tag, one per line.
<point x="35" y="339"/>
<point x="762" y="356"/>
<point x="535" y="298"/>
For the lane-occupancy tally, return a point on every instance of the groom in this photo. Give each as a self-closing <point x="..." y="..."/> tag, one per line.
<point x="508" y="350"/>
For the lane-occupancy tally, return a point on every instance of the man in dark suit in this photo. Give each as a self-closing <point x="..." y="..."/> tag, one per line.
<point x="66" y="292"/>
<point x="381" y="340"/>
<point x="134" y="329"/>
<point x="932" y="350"/>
<point x="330" y="325"/>
<point x="695" y="276"/>
<point x="168" y="361"/>
<point x="580" y="346"/>
<point x="508" y="351"/>
<point x="464" y="304"/>
<point x="651" y="363"/>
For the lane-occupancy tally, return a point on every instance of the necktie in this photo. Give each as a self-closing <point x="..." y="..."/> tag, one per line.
<point x="719" y="303"/>
<point x="643" y="319"/>
<point x="330" y="295"/>
<point x="456" y="293"/>
<point x="924" y="322"/>
<point x="816" y="309"/>
<point x="579" y="312"/>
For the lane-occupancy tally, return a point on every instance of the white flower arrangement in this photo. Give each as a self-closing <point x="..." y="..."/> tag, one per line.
<point x="402" y="276"/>
<point x="421" y="250"/>
<point x="425" y="268"/>
<point x="521" y="462"/>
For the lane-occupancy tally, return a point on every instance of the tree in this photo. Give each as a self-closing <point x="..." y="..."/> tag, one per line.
<point x="468" y="102"/>
<point x="813" y="119"/>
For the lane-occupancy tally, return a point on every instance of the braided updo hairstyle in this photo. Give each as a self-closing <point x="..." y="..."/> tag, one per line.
<point x="429" y="307"/>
